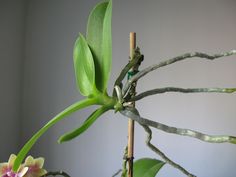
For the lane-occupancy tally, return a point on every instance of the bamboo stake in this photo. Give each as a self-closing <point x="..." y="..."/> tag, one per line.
<point x="131" y="122"/>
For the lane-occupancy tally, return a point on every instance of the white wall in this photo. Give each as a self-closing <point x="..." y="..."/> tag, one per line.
<point x="165" y="28"/>
<point x="12" y="15"/>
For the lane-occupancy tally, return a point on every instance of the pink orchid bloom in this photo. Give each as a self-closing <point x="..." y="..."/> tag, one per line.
<point x="6" y="168"/>
<point x="31" y="168"/>
<point x="35" y="167"/>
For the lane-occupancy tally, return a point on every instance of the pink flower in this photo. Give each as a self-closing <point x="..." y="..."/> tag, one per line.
<point x="31" y="168"/>
<point x="35" y="167"/>
<point x="6" y="168"/>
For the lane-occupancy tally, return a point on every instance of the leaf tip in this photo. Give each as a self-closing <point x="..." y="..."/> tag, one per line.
<point x="59" y="141"/>
<point x="233" y="140"/>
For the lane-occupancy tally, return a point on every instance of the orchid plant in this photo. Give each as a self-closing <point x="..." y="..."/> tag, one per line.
<point x="92" y="63"/>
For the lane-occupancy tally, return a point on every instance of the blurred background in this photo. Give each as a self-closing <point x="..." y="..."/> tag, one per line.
<point x="37" y="81"/>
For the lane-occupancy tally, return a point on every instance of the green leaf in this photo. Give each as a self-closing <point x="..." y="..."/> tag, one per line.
<point x="91" y="119"/>
<point x="99" y="38"/>
<point x="147" y="167"/>
<point x="84" y="67"/>
<point x="74" y="107"/>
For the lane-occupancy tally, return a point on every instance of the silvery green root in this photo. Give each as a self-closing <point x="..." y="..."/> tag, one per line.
<point x="173" y="60"/>
<point x="133" y="114"/>
<point x="123" y="92"/>
<point x="161" y="154"/>
<point x="181" y="90"/>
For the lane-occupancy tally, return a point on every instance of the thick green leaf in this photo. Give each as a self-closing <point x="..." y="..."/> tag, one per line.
<point x="147" y="167"/>
<point x="74" y="107"/>
<point x="100" y="41"/>
<point x="91" y="119"/>
<point x="84" y="67"/>
<point x="107" y="43"/>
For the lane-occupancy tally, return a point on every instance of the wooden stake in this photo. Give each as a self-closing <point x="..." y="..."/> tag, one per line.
<point x="131" y="122"/>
